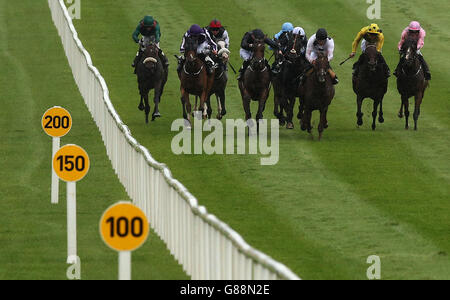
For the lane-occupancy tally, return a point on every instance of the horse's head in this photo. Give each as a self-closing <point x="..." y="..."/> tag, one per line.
<point x="409" y="50"/>
<point x="257" y="63"/>
<point x="321" y="66"/>
<point x="191" y="45"/>
<point x="151" y="56"/>
<point x="372" y="57"/>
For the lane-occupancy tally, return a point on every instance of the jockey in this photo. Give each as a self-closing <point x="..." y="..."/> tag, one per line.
<point x="321" y="42"/>
<point x="218" y="33"/>
<point x="246" y="52"/>
<point x="206" y="46"/>
<point x="282" y="38"/>
<point x="371" y="34"/>
<point x="149" y="29"/>
<point x="416" y="32"/>
<point x="300" y="33"/>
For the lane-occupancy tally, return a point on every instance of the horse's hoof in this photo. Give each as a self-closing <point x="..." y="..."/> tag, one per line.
<point x="141" y="107"/>
<point x="289" y="125"/>
<point x="400" y="115"/>
<point x="406" y="127"/>
<point x="359" y="122"/>
<point x="325" y="126"/>
<point x="282" y="122"/>
<point x="373" y="127"/>
<point x="381" y="119"/>
<point x="224" y="112"/>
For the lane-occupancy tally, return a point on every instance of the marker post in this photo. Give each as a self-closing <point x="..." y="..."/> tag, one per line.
<point x="71" y="163"/>
<point x="124" y="228"/>
<point x="56" y="122"/>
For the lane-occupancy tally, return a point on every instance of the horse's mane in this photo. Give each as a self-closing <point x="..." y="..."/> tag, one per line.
<point x="409" y="43"/>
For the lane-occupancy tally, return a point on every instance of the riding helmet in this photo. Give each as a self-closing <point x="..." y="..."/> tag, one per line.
<point x="373" y="28"/>
<point x="258" y="34"/>
<point x="195" y="30"/>
<point x="321" y="34"/>
<point x="215" y="24"/>
<point x="148" y="21"/>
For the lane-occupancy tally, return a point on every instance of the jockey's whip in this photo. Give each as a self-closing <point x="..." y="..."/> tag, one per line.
<point x="232" y="67"/>
<point x="345" y="61"/>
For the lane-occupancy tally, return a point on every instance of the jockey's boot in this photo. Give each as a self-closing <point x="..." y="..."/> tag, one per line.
<point x="276" y="67"/>
<point x="164" y="60"/>
<point x="387" y="71"/>
<point x="335" y="80"/>
<point x="180" y="63"/>
<point x="426" y="69"/>
<point x="137" y="59"/>
<point x="210" y="65"/>
<point x="243" y="68"/>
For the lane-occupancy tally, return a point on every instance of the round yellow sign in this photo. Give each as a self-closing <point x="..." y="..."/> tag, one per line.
<point x="124" y="227"/>
<point x="71" y="163"/>
<point x="56" y="121"/>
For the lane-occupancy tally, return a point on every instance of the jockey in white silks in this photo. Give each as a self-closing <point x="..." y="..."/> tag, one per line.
<point x="321" y="42"/>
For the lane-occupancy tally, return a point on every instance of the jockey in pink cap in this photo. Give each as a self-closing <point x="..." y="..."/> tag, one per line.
<point x="415" y="32"/>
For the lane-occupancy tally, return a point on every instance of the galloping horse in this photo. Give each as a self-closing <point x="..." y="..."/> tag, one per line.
<point x="411" y="81"/>
<point x="220" y="83"/>
<point x="370" y="82"/>
<point x="151" y="75"/>
<point x="293" y="67"/>
<point x="255" y="83"/>
<point x="317" y="92"/>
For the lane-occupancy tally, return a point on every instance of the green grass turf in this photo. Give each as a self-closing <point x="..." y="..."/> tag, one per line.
<point x="325" y="207"/>
<point x="33" y="245"/>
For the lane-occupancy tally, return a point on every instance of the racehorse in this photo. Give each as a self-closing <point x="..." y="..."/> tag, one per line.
<point x="194" y="79"/>
<point x="317" y="92"/>
<point x="370" y="82"/>
<point x="220" y="83"/>
<point x="410" y="81"/>
<point x="151" y="75"/>
<point x="255" y="83"/>
<point x="293" y="66"/>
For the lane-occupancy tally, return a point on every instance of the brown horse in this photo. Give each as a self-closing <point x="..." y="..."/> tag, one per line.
<point x="194" y="79"/>
<point x="255" y="83"/>
<point x="151" y="75"/>
<point x="317" y="92"/>
<point x="370" y="82"/>
<point x="410" y="81"/>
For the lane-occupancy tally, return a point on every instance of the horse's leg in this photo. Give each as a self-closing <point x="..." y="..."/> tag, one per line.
<point x="223" y="110"/>
<point x="184" y="107"/>
<point x="405" y="102"/>
<point x="203" y="104"/>
<point x="323" y="121"/>
<point x="195" y="106"/>
<point x="219" y="107"/>
<point x="301" y="108"/>
<point x="209" y="107"/>
<point x="418" y="101"/>
<point x="290" y="112"/>
<point x="147" y="107"/>
<point x="141" y="103"/>
<point x="156" y="100"/>
<point x="375" y="113"/>
<point x="359" y="114"/>
<point x="400" y="112"/>
<point x="380" y="117"/>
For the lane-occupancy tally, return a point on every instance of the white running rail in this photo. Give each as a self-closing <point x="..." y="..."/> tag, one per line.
<point x="206" y="247"/>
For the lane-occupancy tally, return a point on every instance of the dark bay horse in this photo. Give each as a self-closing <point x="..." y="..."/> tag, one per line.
<point x="220" y="83"/>
<point x="293" y="66"/>
<point x="194" y="79"/>
<point x="255" y="83"/>
<point x="317" y="92"/>
<point x="410" y="81"/>
<point x="151" y="75"/>
<point x="370" y="82"/>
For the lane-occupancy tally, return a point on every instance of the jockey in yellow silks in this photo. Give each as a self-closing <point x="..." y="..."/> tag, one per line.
<point x="371" y="34"/>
